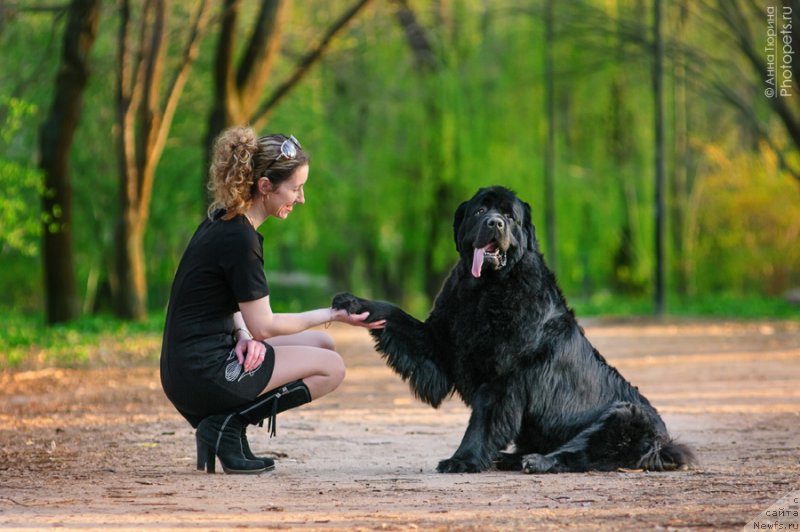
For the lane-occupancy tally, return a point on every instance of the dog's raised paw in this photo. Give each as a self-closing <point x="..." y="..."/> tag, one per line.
<point x="455" y="465"/>
<point x="348" y="302"/>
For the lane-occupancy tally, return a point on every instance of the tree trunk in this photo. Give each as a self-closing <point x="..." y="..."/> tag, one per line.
<point x="680" y="176"/>
<point x="625" y="277"/>
<point x="658" y="94"/>
<point x="238" y="89"/>
<point x="131" y="299"/>
<point x="55" y="142"/>
<point x="427" y="63"/>
<point x="550" y="144"/>
<point x="439" y="229"/>
<point x="144" y="118"/>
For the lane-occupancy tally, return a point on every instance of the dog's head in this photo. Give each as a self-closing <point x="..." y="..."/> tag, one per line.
<point x="493" y="230"/>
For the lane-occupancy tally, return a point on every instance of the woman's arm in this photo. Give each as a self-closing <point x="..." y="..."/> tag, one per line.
<point x="240" y="330"/>
<point x="249" y="351"/>
<point x="262" y="323"/>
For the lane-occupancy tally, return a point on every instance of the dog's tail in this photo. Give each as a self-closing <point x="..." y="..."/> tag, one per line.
<point x="668" y="455"/>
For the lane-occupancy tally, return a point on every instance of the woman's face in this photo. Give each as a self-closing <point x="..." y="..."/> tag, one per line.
<point x="280" y="201"/>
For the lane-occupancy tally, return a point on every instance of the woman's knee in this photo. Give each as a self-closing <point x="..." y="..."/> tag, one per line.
<point x="336" y="367"/>
<point x="329" y="375"/>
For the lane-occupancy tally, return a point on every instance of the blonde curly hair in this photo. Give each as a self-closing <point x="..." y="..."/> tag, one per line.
<point x="238" y="160"/>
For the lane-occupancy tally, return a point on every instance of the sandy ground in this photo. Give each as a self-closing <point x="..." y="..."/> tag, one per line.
<point x="102" y="448"/>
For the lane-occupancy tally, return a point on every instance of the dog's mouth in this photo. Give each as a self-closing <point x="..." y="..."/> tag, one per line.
<point x="490" y="254"/>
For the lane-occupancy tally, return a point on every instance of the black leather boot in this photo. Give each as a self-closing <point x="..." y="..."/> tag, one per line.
<point x="225" y="436"/>
<point x="269" y="463"/>
<point x="221" y="436"/>
<point x="268" y="406"/>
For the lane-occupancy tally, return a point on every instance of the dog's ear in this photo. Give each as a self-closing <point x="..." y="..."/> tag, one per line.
<point x="530" y="230"/>
<point x="457" y="219"/>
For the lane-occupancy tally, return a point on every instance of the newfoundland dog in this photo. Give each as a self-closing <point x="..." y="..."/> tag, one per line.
<point x="501" y="336"/>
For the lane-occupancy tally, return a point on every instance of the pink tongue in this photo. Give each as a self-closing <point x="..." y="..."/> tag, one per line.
<point x="477" y="262"/>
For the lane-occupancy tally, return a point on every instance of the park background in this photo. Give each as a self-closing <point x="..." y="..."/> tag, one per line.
<point x="616" y="120"/>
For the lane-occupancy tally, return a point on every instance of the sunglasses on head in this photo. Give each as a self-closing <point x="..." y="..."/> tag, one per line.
<point x="289" y="149"/>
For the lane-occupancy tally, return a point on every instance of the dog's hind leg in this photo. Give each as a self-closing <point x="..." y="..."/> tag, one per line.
<point x="625" y="435"/>
<point x="495" y="421"/>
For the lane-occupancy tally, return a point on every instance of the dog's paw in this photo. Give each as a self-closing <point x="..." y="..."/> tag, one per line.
<point x="537" y="463"/>
<point x="378" y="310"/>
<point x="456" y="465"/>
<point x="348" y="302"/>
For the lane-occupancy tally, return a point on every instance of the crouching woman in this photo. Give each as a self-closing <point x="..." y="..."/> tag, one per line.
<point x="227" y="360"/>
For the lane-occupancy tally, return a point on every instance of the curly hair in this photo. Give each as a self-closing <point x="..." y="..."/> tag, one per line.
<point x="238" y="160"/>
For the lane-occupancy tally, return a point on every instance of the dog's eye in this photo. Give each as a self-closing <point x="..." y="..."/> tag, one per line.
<point x="480" y="211"/>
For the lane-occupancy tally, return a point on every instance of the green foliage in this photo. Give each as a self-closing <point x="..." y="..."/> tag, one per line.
<point x="394" y="151"/>
<point x="750" y="208"/>
<point x="727" y="306"/>
<point x="20" y="225"/>
<point x="100" y="340"/>
<point x="25" y="342"/>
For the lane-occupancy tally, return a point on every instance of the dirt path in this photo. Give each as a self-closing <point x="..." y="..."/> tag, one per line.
<point x="102" y="448"/>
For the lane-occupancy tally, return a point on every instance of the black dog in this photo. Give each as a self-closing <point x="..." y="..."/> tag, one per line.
<point x="501" y="336"/>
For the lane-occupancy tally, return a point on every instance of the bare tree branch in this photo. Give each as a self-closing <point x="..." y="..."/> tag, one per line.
<point x="741" y="32"/>
<point x="149" y="111"/>
<point x="125" y="100"/>
<point x="426" y="58"/>
<point x="144" y="120"/>
<point x="261" y="52"/>
<point x="722" y="90"/>
<point x="305" y="64"/>
<point x="174" y="92"/>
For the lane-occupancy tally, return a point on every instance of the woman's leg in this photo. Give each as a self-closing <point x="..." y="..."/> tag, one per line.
<point x="308" y="338"/>
<point x="322" y="370"/>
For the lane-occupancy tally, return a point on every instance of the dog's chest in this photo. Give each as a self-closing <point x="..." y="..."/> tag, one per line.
<point x="484" y="329"/>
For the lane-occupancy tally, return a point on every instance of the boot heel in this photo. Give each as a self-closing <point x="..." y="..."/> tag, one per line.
<point x="205" y="457"/>
<point x="226" y="431"/>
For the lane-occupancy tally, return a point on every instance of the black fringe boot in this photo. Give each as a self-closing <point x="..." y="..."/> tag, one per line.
<point x="225" y="435"/>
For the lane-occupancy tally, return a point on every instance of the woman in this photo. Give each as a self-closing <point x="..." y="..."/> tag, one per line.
<point x="216" y="367"/>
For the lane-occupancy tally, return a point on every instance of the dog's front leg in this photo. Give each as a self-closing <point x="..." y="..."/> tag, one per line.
<point x="408" y="345"/>
<point x="494" y="423"/>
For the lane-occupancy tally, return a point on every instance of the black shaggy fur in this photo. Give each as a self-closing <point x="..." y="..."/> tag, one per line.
<point x="502" y="337"/>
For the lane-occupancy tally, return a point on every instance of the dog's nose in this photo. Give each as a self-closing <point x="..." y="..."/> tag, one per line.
<point x="495" y="222"/>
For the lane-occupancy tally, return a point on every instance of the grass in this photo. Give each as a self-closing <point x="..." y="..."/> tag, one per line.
<point x="96" y="341"/>
<point x="26" y="342"/>
<point x="717" y="306"/>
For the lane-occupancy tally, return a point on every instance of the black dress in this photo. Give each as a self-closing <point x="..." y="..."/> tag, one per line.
<point x="222" y="266"/>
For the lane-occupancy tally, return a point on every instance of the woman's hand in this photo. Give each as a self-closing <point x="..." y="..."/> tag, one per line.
<point x="356" y="319"/>
<point x="250" y="353"/>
